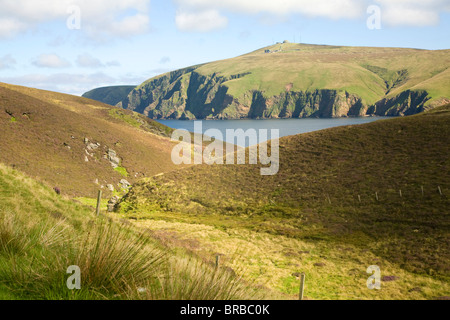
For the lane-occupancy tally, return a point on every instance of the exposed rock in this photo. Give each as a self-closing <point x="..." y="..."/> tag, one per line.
<point x="110" y="187"/>
<point x="92" y="146"/>
<point x="124" y="184"/>
<point x="86" y="159"/>
<point x="112" y="203"/>
<point x="113" y="158"/>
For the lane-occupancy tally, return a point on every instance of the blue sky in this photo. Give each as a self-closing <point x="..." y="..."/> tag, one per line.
<point x="128" y="41"/>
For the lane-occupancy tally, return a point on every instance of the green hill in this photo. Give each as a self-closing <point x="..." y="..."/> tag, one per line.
<point x="343" y="199"/>
<point x="77" y="144"/>
<point x="300" y="80"/>
<point x="109" y="95"/>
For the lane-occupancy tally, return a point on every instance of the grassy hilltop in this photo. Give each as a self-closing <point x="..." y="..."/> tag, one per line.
<point x="343" y="199"/>
<point x="109" y="95"/>
<point x="300" y="80"/>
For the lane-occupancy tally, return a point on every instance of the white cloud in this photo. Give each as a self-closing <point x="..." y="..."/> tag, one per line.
<point x="394" y="13"/>
<point x="87" y="61"/>
<point x="201" y="21"/>
<point x="319" y="8"/>
<point x="164" y="60"/>
<point x="9" y="27"/>
<point x="412" y="12"/>
<point x="50" y="61"/>
<point x="99" y="18"/>
<point x="7" y="62"/>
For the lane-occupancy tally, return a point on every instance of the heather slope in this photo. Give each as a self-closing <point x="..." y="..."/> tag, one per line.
<point x="77" y="144"/>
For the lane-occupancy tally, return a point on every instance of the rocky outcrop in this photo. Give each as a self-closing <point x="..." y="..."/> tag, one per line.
<point x="112" y="157"/>
<point x="187" y="94"/>
<point x="407" y="103"/>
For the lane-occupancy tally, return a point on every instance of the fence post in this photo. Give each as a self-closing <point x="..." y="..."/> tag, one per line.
<point x="359" y="198"/>
<point x="400" y="193"/>
<point x="302" y="286"/>
<point x="376" y="195"/>
<point x="99" y="199"/>
<point x="440" y="191"/>
<point x="217" y="261"/>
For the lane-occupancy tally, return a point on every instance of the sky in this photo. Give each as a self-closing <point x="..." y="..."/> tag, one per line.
<point x="73" y="46"/>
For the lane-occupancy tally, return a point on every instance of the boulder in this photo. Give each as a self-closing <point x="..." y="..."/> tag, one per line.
<point x="113" y="158"/>
<point x="92" y="146"/>
<point x="112" y="203"/>
<point x="124" y="184"/>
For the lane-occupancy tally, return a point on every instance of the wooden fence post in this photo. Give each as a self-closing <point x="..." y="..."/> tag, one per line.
<point x="99" y="200"/>
<point x="376" y="195"/>
<point x="302" y="286"/>
<point x="359" y="198"/>
<point x="400" y="193"/>
<point x="440" y="191"/>
<point x="217" y="261"/>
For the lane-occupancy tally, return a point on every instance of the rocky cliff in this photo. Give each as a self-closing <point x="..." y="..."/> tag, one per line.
<point x="186" y="94"/>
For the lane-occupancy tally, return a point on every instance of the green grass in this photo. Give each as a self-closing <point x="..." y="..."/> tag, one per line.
<point x="122" y="171"/>
<point x="131" y="119"/>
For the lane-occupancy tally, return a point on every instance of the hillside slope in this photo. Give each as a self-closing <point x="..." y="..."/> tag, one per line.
<point x="77" y="144"/>
<point x="299" y="80"/>
<point x="42" y="234"/>
<point x="382" y="186"/>
<point x="109" y="95"/>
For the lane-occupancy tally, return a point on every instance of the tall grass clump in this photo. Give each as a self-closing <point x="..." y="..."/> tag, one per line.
<point x="109" y="256"/>
<point x="190" y="278"/>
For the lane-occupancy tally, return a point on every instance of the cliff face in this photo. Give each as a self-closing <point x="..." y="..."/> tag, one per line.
<point x="187" y="94"/>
